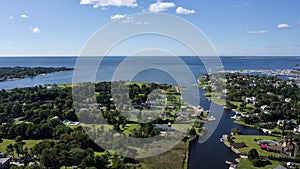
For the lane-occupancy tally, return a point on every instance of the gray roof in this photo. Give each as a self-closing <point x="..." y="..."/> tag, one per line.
<point x="280" y="167"/>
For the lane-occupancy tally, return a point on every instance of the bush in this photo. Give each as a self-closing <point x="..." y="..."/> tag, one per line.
<point x="285" y="159"/>
<point x="260" y="163"/>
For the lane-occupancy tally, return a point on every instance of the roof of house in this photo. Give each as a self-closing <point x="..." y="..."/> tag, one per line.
<point x="280" y="167"/>
<point x="276" y="148"/>
<point x="238" y="145"/>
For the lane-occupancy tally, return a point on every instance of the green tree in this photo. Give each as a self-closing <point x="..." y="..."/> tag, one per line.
<point x="76" y="155"/>
<point x="10" y="149"/>
<point x="49" y="159"/>
<point x="16" y="108"/>
<point x="235" y="131"/>
<point x="253" y="154"/>
<point x="18" y="139"/>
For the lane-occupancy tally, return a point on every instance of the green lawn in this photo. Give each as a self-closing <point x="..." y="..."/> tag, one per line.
<point x="213" y="96"/>
<point x="29" y="144"/>
<point x="129" y="128"/>
<point x="172" y="159"/>
<point x="246" y="164"/>
<point x="250" y="143"/>
<point x="243" y="123"/>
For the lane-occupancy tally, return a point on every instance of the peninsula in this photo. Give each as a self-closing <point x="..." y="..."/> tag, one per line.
<point x="14" y="73"/>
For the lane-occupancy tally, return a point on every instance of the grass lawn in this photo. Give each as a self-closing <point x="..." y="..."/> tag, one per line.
<point x="246" y="164"/>
<point x="29" y="144"/>
<point x="172" y="159"/>
<point x="250" y="143"/>
<point x="214" y="96"/>
<point x="129" y="128"/>
<point x="244" y="124"/>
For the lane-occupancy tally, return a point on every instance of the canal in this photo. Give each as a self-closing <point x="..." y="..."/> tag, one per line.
<point x="212" y="153"/>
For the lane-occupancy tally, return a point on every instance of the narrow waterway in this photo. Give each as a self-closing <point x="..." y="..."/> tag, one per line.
<point x="212" y="154"/>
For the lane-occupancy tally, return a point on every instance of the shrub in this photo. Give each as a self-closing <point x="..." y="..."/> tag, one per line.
<point x="260" y="163"/>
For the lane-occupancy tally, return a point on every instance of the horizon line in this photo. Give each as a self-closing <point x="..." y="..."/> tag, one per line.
<point x="150" y="56"/>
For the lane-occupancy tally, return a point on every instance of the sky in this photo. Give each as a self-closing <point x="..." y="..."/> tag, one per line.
<point x="234" y="27"/>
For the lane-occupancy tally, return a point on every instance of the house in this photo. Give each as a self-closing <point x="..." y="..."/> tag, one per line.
<point x="287" y="100"/>
<point x="170" y="107"/>
<point x="5" y="161"/>
<point x="251" y="100"/>
<point x="280" y="167"/>
<point x="276" y="149"/>
<point x="289" y="147"/>
<point x="286" y="122"/>
<point x="166" y="114"/>
<point x="297" y="129"/>
<point x="162" y="127"/>
<point x="264" y="107"/>
<point x="184" y="107"/>
<point x="238" y="145"/>
<point x="53" y="86"/>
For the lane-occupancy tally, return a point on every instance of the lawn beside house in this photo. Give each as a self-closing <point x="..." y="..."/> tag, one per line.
<point x="250" y="143"/>
<point x="245" y="163"/>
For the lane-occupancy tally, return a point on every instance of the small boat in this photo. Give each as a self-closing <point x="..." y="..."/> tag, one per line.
<point x="234" y="117"/>
<point x="221" y="139"/>
<point x="211" y="118"/>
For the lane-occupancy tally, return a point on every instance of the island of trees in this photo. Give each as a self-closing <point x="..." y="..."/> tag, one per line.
<point x="12" y="73"/>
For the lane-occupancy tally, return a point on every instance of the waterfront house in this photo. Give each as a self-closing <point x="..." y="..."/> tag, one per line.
<point x="289" y="147"/>
<point x="52" y="86"/>
<point x="276" y="149"/>
<point x="162" y="127"/>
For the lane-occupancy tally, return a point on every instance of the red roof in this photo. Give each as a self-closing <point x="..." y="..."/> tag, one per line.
<point x="263" y="147"/>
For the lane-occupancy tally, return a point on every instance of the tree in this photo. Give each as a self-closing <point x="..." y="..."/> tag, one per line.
<point x="253" y="154"/>
<point x="18" y="139"/>
<point x="76" y="155"/>
<point x="235" y="131"/>
<point x="10" y="149"/>
<point x="49" y="159"/>
<point x="16" y="108"/>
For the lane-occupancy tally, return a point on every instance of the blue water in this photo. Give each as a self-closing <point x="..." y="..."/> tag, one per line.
<point x="109" y="64"/>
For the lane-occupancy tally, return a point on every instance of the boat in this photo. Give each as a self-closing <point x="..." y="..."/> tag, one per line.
<point x="221" y="139"/>
<point x="234" y="117"/>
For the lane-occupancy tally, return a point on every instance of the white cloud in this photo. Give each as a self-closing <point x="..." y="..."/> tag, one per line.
<point x="132" y="20"/>
<point x="283" y="26"/>
<point x="240" y="5"/>
<point x="128" y="19"/>
<point x="181" y="10"/>
<point x="104" y="3"/>
<point x="118" y="16"/>
<point x="142" y="23"/>
<point x="161" y="6"/>
<point x="23" y="16"/>
<point x="258" y="31"/>
<point x="11" y="17"/>
<point x="36" y="30"/>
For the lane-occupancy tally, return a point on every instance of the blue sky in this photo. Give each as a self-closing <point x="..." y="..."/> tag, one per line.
<point x="235" y="27"/>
